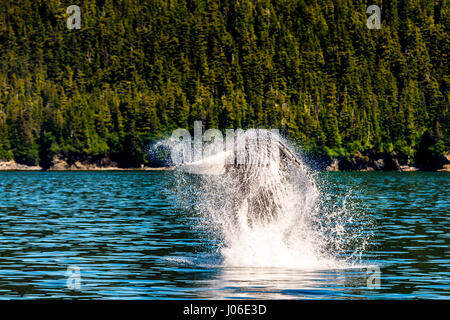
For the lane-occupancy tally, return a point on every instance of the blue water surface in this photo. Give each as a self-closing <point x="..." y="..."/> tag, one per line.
<point x="129" y="238"/>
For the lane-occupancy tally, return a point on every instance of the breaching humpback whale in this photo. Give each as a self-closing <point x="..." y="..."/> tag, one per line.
<point x="257" y="166"/>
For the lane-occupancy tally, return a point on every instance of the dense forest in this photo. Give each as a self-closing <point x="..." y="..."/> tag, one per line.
<point x="137" y="70"/>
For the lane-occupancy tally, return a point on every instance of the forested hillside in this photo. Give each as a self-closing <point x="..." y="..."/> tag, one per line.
<point x="136" y="70"/>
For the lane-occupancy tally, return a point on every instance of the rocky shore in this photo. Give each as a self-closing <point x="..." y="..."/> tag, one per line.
<point x="382" y="162"/>
<point x="11" y="165"/>
<point x="62" y="165"/>
<point x="103" y="164"/>
<point x="378" y="162"/>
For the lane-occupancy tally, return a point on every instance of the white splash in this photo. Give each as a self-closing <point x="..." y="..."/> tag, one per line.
<point x="272" y="215"/>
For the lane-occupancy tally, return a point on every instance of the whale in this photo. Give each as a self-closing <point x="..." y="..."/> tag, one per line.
<point x="257" y="165"/>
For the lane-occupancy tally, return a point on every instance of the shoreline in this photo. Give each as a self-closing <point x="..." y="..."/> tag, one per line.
<point x="14" y="166"/>
<point x="150" y="169"/>
<point x="24" y="168"/>
<point x="98" y="169"/>
<point x="386" y="162"/>
<point x="360" y="163"/>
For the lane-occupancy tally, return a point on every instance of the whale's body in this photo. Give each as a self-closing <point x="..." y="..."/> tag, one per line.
<point x="258" y="166"/>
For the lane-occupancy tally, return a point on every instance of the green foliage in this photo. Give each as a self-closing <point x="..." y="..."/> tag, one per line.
<point x="137" y="70"/>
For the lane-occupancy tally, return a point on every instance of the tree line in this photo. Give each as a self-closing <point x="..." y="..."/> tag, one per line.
<point x="137" y="70"/>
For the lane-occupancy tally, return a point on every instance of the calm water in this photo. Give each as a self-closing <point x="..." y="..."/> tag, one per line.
<point x="131" y="240"/>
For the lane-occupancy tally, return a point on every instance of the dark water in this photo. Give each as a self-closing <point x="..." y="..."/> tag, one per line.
<point x="130" y="240"/>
